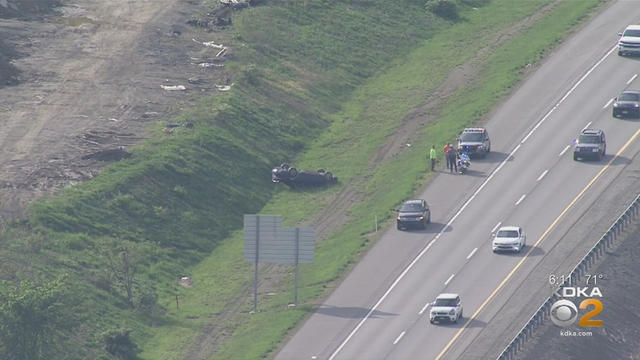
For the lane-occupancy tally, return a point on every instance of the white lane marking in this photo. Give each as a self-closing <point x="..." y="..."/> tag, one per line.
<point x="449" y="279"/>
<point x="569" y="93"/>
<point x="314" y="357"/>
<point x="495" y="227"/>
<point x="586" y="126"/>
<point x="608" y="103"/>
<point x="471" y="253"/>
<point x="455" y="216"/>
<point x="399" y="337"/>
<point x="632" y="78"/>
<point x="564" y="150"/>
<point x="521" y="198"/>
<point x="516" y="149"/>
<point x="424" y="308"/>
<point x="532" y="247"/>
<point x="542" y="175"/>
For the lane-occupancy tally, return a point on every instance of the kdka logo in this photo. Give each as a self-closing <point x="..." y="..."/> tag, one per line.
<point x="564" y="312"/>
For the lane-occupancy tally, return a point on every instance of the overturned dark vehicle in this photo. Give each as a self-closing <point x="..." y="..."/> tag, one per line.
<point x="291" y="176"/>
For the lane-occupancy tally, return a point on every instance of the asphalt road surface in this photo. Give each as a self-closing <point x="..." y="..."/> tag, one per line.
<point x="530" y="179"/>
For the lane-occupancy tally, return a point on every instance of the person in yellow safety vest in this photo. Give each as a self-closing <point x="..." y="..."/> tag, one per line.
<point x="432" y="156"/>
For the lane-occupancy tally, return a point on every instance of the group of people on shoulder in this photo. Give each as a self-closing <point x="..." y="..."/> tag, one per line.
<point x="451" y="155"/>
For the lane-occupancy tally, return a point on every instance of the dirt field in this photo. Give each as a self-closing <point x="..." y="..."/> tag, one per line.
<point x="83" y="79"/>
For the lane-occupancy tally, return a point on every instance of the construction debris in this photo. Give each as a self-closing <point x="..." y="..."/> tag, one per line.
<point x="173" y="87"/>
<point x="209" y="65"/>
<point x="209" y="44"/>
<point x="221" y="52"/>
<point x="223" y="87"/>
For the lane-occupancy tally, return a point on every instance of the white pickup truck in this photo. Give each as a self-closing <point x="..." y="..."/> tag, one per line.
<point x="629" y="42"/>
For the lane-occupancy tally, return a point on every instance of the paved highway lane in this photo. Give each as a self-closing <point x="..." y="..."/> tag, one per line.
<point x="536" y="181"/>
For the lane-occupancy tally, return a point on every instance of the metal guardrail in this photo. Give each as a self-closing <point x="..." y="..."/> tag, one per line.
<point x="578" y="271"/>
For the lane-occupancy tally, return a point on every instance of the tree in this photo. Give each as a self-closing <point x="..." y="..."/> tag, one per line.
<point x="444" y="8"/>
<point x="122" y="263"/>
<point x="119" y="344"/>
<point x="31" y="316"/>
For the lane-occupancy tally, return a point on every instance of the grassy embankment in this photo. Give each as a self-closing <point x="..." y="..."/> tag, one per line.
<point x="356" y="68"/>
<point x="358" y="130"/>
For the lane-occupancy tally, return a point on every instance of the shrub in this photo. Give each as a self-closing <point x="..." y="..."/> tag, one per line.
<point x="119" y="344"/>
<point x="446" y="9"/>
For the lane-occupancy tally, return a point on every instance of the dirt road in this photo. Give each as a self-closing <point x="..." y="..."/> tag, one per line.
<point x="90" y="80"/>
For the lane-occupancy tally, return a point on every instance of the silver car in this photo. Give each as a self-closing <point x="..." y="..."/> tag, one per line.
<point x="509" y="238"/>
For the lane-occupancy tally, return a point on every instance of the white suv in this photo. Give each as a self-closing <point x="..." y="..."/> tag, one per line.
<point x="509" y="238"/>
<point x="446" y="307"/>
<point x="629" y="42"/>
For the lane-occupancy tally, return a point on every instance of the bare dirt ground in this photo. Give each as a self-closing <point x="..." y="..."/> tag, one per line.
<point x="85" y="78"/>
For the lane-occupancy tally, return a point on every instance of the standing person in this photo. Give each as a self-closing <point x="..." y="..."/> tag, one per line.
<point x="446" y="149"/>
<point x="432" y="156"/>
<point x="451" y="156"/>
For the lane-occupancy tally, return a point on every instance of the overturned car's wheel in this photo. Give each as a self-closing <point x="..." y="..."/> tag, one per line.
<point x="293" y="172"/>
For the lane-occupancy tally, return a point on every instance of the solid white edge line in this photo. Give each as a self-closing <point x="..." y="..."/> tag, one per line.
<point x="564" y="150"/>
<point x="521" y="198"/>
<point x="542" y="175"/>
<point x="486" y="181"/>
<point x="495" y="227"/>
<point x="527" y="137"/>
<point x="449" y="279"/>
<point x="424" y="308"/>
<point x="471" y="253"/>
<point x="632" y="78"/>
<point x="608" y="103"/>
<point x="586" y="126"/>
<point x="399" y="337"/>
<point x="515" y="149"/>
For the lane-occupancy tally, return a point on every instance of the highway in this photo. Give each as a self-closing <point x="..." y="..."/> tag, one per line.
<point x="380" y="310"/>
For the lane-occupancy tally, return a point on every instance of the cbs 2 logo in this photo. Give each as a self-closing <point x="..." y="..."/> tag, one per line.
<point x="564" y="313"/>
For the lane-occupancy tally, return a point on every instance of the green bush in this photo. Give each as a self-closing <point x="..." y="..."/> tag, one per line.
<point x="119" y="344"/>
<point x="446" y="9"/>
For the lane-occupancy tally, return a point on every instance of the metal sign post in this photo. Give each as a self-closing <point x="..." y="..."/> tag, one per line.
<point x="267" y="241"/>
<point x="255" y="268"/>
<point x="295" y="289"/>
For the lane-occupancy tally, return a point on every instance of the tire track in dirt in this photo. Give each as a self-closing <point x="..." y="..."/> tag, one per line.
<point x="97" y="68"/>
